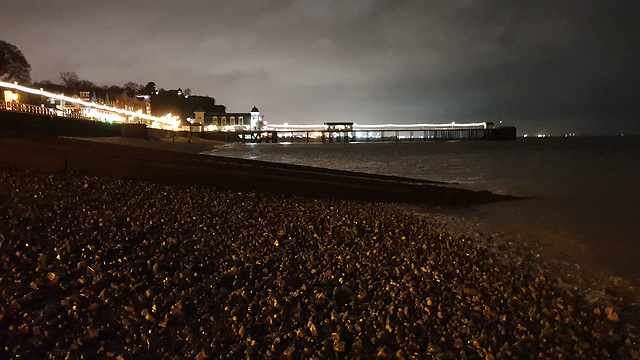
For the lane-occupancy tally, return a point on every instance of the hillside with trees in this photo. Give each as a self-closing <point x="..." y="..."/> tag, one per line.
<point x="176" y="102"/>
<point x="15" y="68"/>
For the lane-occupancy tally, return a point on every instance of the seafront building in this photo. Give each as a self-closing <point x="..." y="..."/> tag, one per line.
<point x="252" y="120"/>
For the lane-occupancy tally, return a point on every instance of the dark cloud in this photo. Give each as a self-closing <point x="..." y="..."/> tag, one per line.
<point x="551" y="66"/>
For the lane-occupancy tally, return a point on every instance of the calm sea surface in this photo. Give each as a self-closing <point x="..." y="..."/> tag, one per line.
<point x="585" y="191"/>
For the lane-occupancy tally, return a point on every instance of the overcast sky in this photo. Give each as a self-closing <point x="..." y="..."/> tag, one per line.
<point x="543" y="66"/>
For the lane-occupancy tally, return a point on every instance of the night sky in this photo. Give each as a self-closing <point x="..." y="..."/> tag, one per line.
<point x="544" y="66"/>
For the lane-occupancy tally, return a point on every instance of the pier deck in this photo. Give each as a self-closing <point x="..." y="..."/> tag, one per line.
<point x="366" y="135"/>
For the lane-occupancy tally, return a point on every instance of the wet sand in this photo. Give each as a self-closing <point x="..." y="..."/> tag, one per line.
<point x="104" y="266"/>
<point x="192" y="145"/>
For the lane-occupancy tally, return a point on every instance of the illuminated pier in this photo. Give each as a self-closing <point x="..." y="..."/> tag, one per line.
<point x="350" y="132"/>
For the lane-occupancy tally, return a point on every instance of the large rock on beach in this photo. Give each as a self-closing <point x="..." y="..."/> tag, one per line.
<point x="109" y="267"/>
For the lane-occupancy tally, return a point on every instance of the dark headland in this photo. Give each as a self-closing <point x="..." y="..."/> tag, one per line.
<point x="123" y="252"/>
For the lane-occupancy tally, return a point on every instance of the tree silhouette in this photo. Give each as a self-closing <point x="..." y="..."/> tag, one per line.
<point x="133" y="86"/>
<point x="13" y="65"/>
<point x="150" y="88"/>
<point x="69" y="79"/>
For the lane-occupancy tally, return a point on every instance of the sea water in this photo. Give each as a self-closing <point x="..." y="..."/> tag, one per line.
<point x="583" y="192"/>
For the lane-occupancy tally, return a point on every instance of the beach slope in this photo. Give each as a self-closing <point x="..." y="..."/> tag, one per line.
<point x="94" y="157"/>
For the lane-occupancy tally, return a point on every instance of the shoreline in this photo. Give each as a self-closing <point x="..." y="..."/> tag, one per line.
<point x="549" y="220"/>
<point x="580" y="264"/>
<point x="575" y="260"/>
<point x="135" y="268"/>
<point x="570" y="258"/>
<point x="103" y="157"/>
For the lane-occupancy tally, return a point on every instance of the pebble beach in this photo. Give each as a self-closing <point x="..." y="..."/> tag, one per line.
<point x="112" y="267"/>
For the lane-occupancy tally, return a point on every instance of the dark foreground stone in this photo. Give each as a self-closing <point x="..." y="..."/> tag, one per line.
<point x="108" y="267"/>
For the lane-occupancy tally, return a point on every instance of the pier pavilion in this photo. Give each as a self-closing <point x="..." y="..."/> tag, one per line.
<point x="251" y="121"/>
